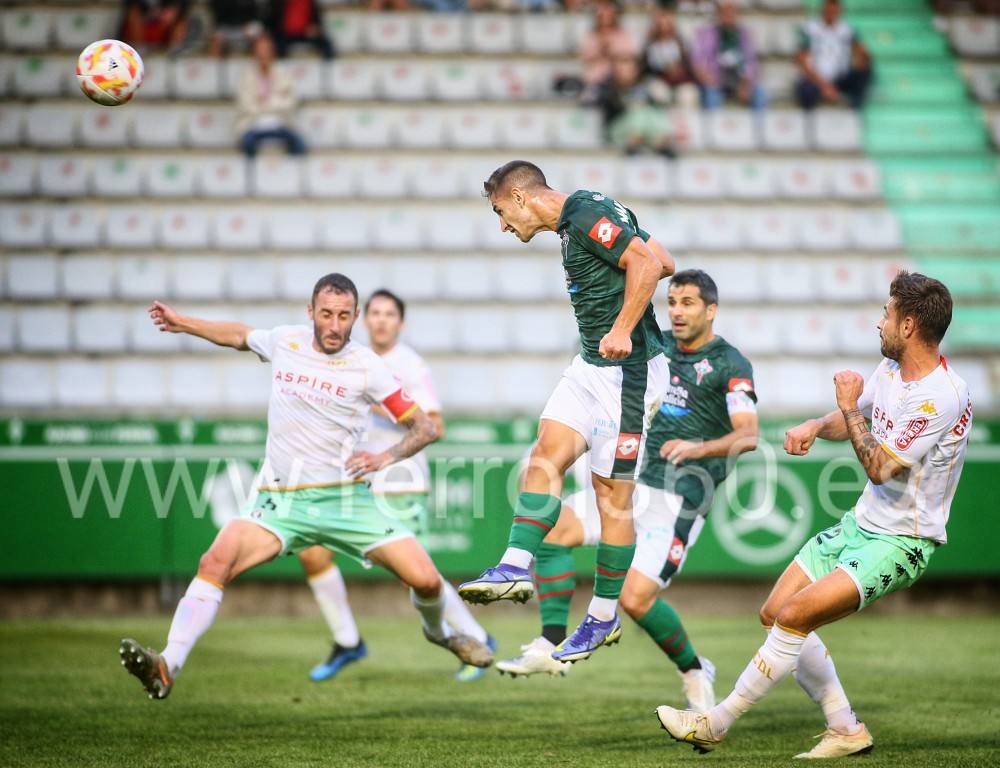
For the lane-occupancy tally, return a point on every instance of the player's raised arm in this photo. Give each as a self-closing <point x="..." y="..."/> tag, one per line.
<point x="642" y="273"/>
<point x="169" y="320"/>
<point x="667" y="265"/>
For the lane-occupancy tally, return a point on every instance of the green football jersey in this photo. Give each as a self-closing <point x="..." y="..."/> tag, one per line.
<point x="705" y="386"/>
<point x="595" y="231"/>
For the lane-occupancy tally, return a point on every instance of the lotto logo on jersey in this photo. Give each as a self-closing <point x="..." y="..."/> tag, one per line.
<point x="676" y="551"/>
<point x="628" y="446"/>
<point x="605" y="232"/>
<point x="911" y="432"/>
<point x="740" y="385"/>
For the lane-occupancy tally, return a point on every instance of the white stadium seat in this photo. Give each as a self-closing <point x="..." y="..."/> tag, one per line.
<point x="880" y="274"/>
<point x="542" y="329"/>
<point x="37" y="77"/>
<point x="346" y="229"/>
<point x="431" y="329"/>
<point x="700" y="179"/>
<point x="8" y="322"/>
<point x="322" y="126"/>
<point x="599" y="176"/>
<point x="62" y="176"/>
<point x="483" y="329"/>
<point x="143" y="277"/>
<point x="451" y="232"/>
<point x="135" y="227"/>
<point x="752" y="331"/>
<point x="690" y="130"/>
<point x="17" y="175"/>
<point x="245" y="383"/>
<point x="808" y="331"/>
<point x="524" y="129"/>
<point x="672" y="228"/>
<point x="471" y="129"/>
<point x="369" y="128"/>
<point x="771" y="229"/>
<point x="467" y="279"/>
<point x="823" y="229"/>
<point x="457" y="81"/>
<point x="801" y="179"/>
<point x="389" y="33"/>
<point x="11" y="124"/>
<point x="187" y="227"/>
<point x="719" y="229"/>
<point x="857" y="180"/>
<point x="100" y="328"/>
<point x="32" y="277"/>
<point x="876" y="230"/>
<point x="296" y="275"/>
<point x="117" y="176"/>
<point x="843" y="280"/>
<point x="196" y="78"/>
<point x="975" y="36"/>
<point x="732" y="130"/>
<point x="22" y="226"/>
<point x="578" y="129"/>
<point x="43" y="329"/>
<point x="143" y="336"/>
<point x="346" y="29"/>
<point x="416" y="277"/>
<point x="783" y="35"/>
<point x="399" y="229"/>
<point x="223" y="176"/>
<point x="171" y="176"/>
<point x="440" y="33"/>
<point x="106" y="127"/>
<point x="155" y="78"/>
<point x="308" y="76"/>
<point x="749" y="180"/>
<point x="472" y="385"/>
<point x="292" y="229"/>
<point x="26" y="383"/>
<point x="157" y="126"/>
<point x="76" y="226"/>
<point x="739" y="278"/>
<point x="422" y="129"/>
<point x="529" y="278"/>
<point x="330" y="177"/>
<point x="836" y="130"/>
<point x="352" y="80"/>
<point x="778" y="78"/>
<point x="7" y="66"/>
<point x="276" y="176"/>
<point x="544" y="34"/>
<point x="383" y="177"/>
<point x="855" y="331"/>
<point x="646" y="179"/>
<point x="138" y="383"/>
<point x="367" y="273"/>
<point x="789" y="280"/>
<point x="50" y="126"/>
<point x="437" y="178"/>
<point x="491" y="33"/>
<point x="515" y="81"/>
<point x="404" y="81"/>
<point x="212" y="127"/>
<point x="27" y="29"/>
<point x="252" y="278"/>
<point x="199" y="277"/>
<point x="237" y="229"/>
<point x="194" y="384"/>
<point x="784" y="131"/>
<point x="87" y="277"/>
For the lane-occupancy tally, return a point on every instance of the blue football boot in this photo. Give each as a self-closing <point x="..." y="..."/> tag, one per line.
<point x="587" y="638"/>
<point x="504" y="582"/>
<point x="339" y="658"/>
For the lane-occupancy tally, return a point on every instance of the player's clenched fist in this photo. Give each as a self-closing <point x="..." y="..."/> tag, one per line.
<point x="849" y="386"/>
<point x="798" y="440"/>
<point x="615" y="345"/>
<point x="165" y="318"/>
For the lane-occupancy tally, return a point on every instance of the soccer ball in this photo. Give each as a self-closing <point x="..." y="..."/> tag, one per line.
<point x="109" y="72"/>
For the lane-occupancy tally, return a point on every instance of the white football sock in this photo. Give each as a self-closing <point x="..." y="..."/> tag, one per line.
<point x="331" y="595"/>
<point x="817" y="675"/>
<point x="458" y="616"/>
<point x="602" y="608"/>
<point x="774" y="660"/>
<point x="431" y="614"/>
<point x="194" y="615"/>
<point x="521" y="558"/>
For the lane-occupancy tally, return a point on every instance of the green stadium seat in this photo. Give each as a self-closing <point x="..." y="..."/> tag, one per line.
<point x="969" y="277"/>
<point x="962" y="179"/>
<point x="923" y="131"/>
<point x="964" y="228"/>
<point x="974" y="328"/>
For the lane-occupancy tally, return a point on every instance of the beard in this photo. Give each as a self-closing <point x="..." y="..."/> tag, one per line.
<point x="325" y="347"/>
<point x="891" y="350"/>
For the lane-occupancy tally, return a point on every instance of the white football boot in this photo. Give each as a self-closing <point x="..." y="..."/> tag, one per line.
<point x="833" y="744"/>
<point x="536" y="658"/>
<point x="688" y="727"/>
<point x="698" y="687"/>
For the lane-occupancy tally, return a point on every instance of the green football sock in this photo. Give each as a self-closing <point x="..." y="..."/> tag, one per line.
<point x="663" y="624"/>
<point x="534" y="516"/>
<point x="613" y="561"/>
<point x="555" y="575"/>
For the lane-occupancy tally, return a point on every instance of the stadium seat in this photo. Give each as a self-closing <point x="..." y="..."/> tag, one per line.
<point x="875" y="230"/>
<point x="345" y="229"/>
<point x="322" y="126"/>
<point x="739" y="278"/>
<point x="467" y="279"/>
<point x="718" y="229"/>
<point x="245" y="383"/>
<point x="529" y="278"/>
<point x="62" y="175"/>
<point x="543" y="34"/>
<point x="646" y="179"/>
<point x="525" y="386"/>
<point x="296" y="275"/>
<point x="369" y="128"/>
<point x="452" y="233"/>
<point x="223" y="176"/>
<point x="187" y="227"/>
<point x="836" y="130"/>
<point x="749" y="180"/>
<point x="855" y="331"/>
<point x="199" y="277"/>
<point x="857" y="180"/>
<point x="75" y="31"/>
<point x="399" y="229"/>
<point x="182" y="375"/>
<point x="22" y="226"/>
<point x="237" y="229"/>
<point x="801" y="179"/>
<point x="252" y="277"/>
<point x="823" y="229"/>
<point x="214" y="312"/>
<point x="117" y="176"/>
<point x="985" y="84"/>
<point x="292" y="229"/>
<point x="975" y="36"/>
<point x="674" y="228"/>
<point x="431" y="329"/>
<point x="515" y="81"/>
<point x="26" y="383"/>
<point x="789" y="280"/>
<point x="7" y="66"/>
<point x="143" y="277"/>
<point x="784" y="131"/>
<point x="51" y="126"/>
<point x="807" y="332"/>
<point x="32" y="277"/>
<point x="157" y="126"/>
<point x="171" y="176"/>
<point x="482" y="329"/>
<point x="771" y="229"/>
<point x="8" y="320"/>
<point x="457" y="81"/>
<point x="75" y="226"/>
<point x="347" y="30"/>
<point x="210" y="127"/>
<point x="99" y="328"/>
<point x="440" y="33"/>
<point x="87" y="277"/>
<point x="524" y="129"/>
<point x="542" y="329"/>
<point x="143" y="336"/>
<point x="138" y="383"/>
<point x="421" y="129"/>
<point x="308" y="76"/>
<point x="196" y="78"/>
<point x="778" y="78"/>
<point x="383" y="177"/>
<point x="43" y="329"/>
<point x="690" y="130"/>
<point x="468" y="384"/>
<point x="155" y="78"/>
<point x="578" y="129"/>
<point x="599" y="176"/>
<point x="800" y="385"/>
<point x="106" y="127"/>
<point x="699" y="179"/>
<point x="783" y="35"/>
<point x="367" y="273"/>
<point x="389" y="33"/>
<point x="842" y="279"/>
<point x="491" y="33"/>
<point x="17" y="174"/>
<point x="328" y="177"/>
<point x="753" y="331"/>
<point x="27" y="29"/>
<point x="415" y="277"/>
<point x="38" y="77"/>
<point x="404" y="81"/>
<point x="731" y="130"/>
<point x="11" y="123"/>
<point x="276" y="176"/>
<point x="437" y="178"/>
<point x="471" y="129"/>
<point x="135" y="228"/>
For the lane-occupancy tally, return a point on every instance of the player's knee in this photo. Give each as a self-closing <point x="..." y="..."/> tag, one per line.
<point x="636" y="603"/>
<point x="215" y="566"/>
<point x="766" y="615"/>
<point x="426" y="581"/>
<point x="794" y="614"/>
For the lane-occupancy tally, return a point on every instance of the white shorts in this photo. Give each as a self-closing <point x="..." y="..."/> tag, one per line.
<point x="611" y="406"/>
<point x="662" y="536"/>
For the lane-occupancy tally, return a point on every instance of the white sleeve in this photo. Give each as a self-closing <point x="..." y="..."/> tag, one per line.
<point x="868" y="393"/>
<point x="263" y="342"/>
<point x="923" y="422"/>
<point x="381" y="383"/>
<point x="420" y="386"/>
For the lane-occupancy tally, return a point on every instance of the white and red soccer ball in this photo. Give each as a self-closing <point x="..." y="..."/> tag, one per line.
<point x="109" y="72"/>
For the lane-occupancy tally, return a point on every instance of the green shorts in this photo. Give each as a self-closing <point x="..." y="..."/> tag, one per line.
<point x="345" y="518"/>
<point x="878" y="563"/>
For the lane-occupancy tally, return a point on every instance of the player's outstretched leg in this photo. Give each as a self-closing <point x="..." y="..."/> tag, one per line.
<point x="459" y="619"/>
<point x="327" y="585"/>
<point x="147" y="665"/>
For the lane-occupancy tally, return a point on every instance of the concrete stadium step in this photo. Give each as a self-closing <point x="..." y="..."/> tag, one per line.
<point x="935" y="228"/>
<point x="940" y="179"/>
<point x="967" y="277"/>
<point x="924" y="131"/>
<point x="919" y="86"/>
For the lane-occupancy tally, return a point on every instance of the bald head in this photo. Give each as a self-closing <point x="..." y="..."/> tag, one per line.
<point x="517" y="173"/>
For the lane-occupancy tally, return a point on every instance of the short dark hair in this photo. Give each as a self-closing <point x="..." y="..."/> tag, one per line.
<point x="706" y="285"/>
<point x="516" y="173"/>
<point x="926" y="300"/>
<point x="385" y="293"/>
<point x="337" y="283"/>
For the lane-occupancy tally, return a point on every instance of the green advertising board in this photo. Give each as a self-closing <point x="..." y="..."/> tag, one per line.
<point x="143" y="499"/>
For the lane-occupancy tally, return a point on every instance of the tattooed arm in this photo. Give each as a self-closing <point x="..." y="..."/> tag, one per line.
<point x="420" y="432"/>
<point x="880" y="466"/>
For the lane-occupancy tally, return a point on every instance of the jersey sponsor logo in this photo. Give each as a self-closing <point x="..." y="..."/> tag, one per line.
<point x="702" y="368"/>
<point x="741" y="385"/>
<point x="598" y="197"/>
<point x="676" y="551"/>
<point x="669" y="409"/>
<point x="622" y="212"/>
<point x="963" y="423"/>
<point x="604" y="232"/>
<point x="313" y="382"/>
<point x="927" y="407"/>
<point x="628" y="445"/>
<point x="911" y="432"/>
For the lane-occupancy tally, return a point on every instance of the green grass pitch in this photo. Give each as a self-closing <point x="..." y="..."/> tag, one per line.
<point x="928" y="687"/>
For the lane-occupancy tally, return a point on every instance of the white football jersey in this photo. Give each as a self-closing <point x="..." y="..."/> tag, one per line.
<point x="925" y="426"/>
<point x="319" y="406"/>
<point x="411" y="475"/>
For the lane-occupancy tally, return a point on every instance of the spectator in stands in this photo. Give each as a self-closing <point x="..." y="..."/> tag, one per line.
<point x="609" y="55"/>
<point x="298" y="21"/>
<point x="833" y="62"/>
<point x="388" y="5"/>
<point x="266" y="101"/>
<point x="236" y="25"/>
<point x="665" y="64"/>
<point x="644" y="123"/>
<point x="156" y="24"/>
<point x="724" y="60"/>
